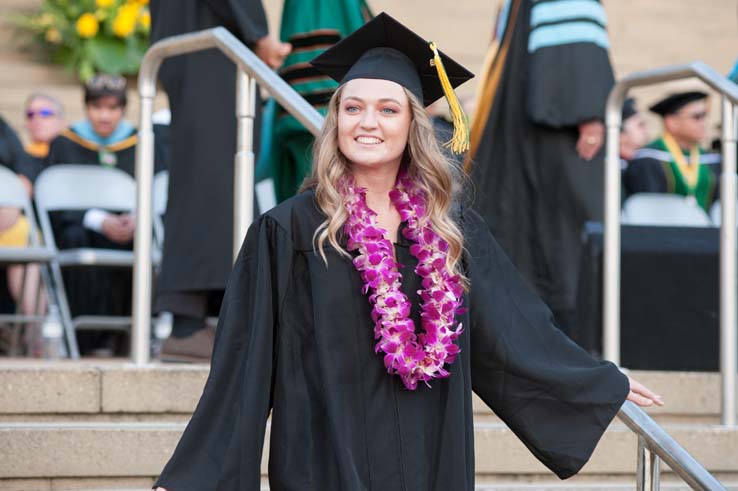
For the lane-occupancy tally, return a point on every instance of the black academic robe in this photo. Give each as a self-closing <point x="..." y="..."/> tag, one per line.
<point x="201" y="87"/>
<point x="12" y="154"/>
<point x="295" y="338"/>
<point x="531" y="185"/>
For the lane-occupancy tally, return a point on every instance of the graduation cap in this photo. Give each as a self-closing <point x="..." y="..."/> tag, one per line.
<point x="629" y="109"/>
<point x="675" y="102"/>
<point x="385" y="49"/>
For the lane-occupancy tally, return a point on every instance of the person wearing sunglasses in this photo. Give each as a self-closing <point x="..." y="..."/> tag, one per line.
<point x="45" y="120"/>
<point x="675" y="162"/>
<point x="106" y="139"/>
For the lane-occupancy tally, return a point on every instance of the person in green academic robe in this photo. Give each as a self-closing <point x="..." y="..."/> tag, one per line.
<point x="675" y="163"/>
<point x="311" y="27"/>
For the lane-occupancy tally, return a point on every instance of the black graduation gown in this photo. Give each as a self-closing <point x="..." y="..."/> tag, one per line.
<point x="12" y="154"/>
<point x="295" y="337"/>
<point x="531" y="185"/>
<point x="201" y="87"/>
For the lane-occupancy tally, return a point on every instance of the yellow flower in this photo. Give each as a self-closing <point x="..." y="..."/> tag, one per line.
<point x="145" y="20"/>
<point x="125" y="22"/>
<point x="104" y="3"/>
<point x="53" y="36"/>
<point x="87" y="25"/>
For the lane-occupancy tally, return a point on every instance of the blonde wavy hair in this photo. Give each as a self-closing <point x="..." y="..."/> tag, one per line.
<point x="424" y="161"/>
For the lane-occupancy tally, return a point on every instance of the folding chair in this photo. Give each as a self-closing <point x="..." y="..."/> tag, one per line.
<point x="659" y="209"/>
<point x="161" y="193"/>
<point x="13" y="195"/>
<point x="82" y="187"/>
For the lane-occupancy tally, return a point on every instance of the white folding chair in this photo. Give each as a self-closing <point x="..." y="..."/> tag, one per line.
<point x="82" y="187"/>
<point x="161" y="193"/>
<point x="658" y="209"/>
<point x="13" y="195"/>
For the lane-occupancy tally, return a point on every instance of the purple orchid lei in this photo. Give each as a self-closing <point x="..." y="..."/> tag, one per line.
<point x="413" y="357"/>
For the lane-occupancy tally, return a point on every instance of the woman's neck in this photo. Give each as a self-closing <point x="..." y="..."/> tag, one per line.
<point x="378" y="182"/>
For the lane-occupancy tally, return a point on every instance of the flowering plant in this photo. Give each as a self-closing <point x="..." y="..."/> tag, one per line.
<point x="90" y="36"/>
<point x="414" y="357"/>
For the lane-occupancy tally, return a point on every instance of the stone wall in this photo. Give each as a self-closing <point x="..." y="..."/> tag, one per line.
<point x="644" y="34"/>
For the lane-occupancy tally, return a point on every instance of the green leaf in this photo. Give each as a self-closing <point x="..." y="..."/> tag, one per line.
<point x="108" y="55"/>
<point x="86" y="69"/>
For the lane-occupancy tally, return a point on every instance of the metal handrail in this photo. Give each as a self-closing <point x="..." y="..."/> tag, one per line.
<point x="654" y="445"/>
<point x="250" y="71"/>
<point x="728" y="232"/>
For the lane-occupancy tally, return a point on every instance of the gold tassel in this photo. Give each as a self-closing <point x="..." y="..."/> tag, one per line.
<point x="460" y="141"/>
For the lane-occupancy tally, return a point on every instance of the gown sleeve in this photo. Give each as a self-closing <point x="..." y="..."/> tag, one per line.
<point x="246" y="20"/>
<point x="554" y="396"/>
<point x="570" y="75"/>
<point x="221" y="447"/>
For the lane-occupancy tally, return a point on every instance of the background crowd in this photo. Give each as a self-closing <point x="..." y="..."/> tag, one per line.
<point x="536" y="156"/>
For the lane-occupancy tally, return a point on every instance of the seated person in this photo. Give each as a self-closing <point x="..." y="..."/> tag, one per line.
<point x="675" y="163"/>
<point x="104" y="138"/>
<point x="633" y="132"/>
<point x="19" y="284"/>
<point x="44" y="121"/>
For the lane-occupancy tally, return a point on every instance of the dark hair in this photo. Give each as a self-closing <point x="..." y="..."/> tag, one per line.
<point x="106" y="85"/>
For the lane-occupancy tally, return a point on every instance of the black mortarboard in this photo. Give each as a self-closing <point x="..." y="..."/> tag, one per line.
<point x="629" y="109"/>
<point x="387" y="50"/>
<point x="675" y="102"/>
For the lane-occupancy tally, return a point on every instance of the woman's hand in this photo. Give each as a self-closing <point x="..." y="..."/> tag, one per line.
<point x="640" y="395"/>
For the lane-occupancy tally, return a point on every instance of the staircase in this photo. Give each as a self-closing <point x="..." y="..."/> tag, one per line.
<point x="110" y="425"/>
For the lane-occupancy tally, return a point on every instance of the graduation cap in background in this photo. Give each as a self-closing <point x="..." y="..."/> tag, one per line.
<point x="385" y="49"/>
<point x="675" y="102"/>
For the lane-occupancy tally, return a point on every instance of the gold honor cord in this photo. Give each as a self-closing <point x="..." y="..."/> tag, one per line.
<point x="460" y="141"/>
<point x="690" y="171"/>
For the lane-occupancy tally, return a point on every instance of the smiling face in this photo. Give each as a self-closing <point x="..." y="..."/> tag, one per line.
<point x="373" y="122"/>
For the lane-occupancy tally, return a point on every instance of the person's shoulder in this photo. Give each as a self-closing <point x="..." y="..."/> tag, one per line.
<point x="298" y="216"/>
<point x="651" y="154"/>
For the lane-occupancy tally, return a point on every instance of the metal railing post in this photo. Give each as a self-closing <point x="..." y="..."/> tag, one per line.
<point x="611" y="239"/>
<point x="728" y="281"/>
<point x="660" y="444"/>
<point x="142" y="240"/>
<point x="648" y="468"/>
<point x="243" y="189"/>
<point x="728" y="268"/>
<point x="251" y="70"/>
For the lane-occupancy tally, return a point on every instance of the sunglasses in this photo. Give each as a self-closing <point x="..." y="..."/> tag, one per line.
<point x="43" y="112"/>
<point x="106" y="82"/>
<point x="697" y="116"/>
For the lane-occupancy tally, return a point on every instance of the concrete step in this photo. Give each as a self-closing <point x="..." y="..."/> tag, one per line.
<point x="112" y="425"/>
<point x="84" y="484"/>
<point x="39" y="390"/>
<point x="88" y="449"/>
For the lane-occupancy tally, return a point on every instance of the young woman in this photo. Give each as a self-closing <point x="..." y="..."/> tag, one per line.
<point x="363" y="313"/>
